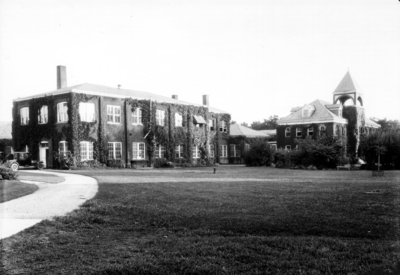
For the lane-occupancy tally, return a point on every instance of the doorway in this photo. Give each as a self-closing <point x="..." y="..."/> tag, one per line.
<point x="44" y="153"/>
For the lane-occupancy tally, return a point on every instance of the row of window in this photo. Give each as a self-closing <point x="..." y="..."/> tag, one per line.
<point x="87" y="114"/>
<point x="310" y="131"/>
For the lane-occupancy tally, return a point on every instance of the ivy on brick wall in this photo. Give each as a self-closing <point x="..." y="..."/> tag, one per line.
<point x="356" y="121"/>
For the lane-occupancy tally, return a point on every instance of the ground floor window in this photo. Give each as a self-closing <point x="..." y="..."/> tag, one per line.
<point x="224" y="151"/>
<point x="138" y="150"/>
<point x="288" y="147"/>
<point x="114" y="150"/>
<point x="159" y="152"/>
<point x="196" y="152"/>
<point x="179" y="151"/>
<point x="235" y="152"/>
<point x="211" y="150"/>
<point x="63" y="148"/>
<point x="86" y="150"/>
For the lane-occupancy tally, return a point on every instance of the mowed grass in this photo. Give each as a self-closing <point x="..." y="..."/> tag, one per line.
<point x="11" y="189"/>
<point x="237" y="221"/>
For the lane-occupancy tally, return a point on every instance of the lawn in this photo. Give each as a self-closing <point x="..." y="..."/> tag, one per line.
<point x="237" y="221"/>
<point x="10" y="189"/>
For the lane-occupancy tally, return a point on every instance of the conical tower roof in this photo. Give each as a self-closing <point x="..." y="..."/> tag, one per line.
<point x="348" y="84"/>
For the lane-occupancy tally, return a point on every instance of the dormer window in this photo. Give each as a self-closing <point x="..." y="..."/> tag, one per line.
<point x="306" y="113"/>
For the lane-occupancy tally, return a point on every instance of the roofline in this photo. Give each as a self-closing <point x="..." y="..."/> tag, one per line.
<point x="312" y="122"/>
<point x="41" y="95"/>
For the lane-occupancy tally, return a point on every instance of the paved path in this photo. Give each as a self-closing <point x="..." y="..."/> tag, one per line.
<point x="51" y="199"/>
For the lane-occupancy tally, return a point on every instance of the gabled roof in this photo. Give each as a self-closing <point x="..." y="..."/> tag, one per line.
<point x="94" y="89"/>
<point x="321" y="114"/>
<point x="347" y="84"/>
<point x="271" y="132"/>
<point x="240" y="130"/>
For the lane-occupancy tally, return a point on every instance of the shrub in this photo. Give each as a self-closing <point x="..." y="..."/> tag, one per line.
<point x="260" y="154"/>
<point x="8" y="174"/>
<point x="163" y="163"/>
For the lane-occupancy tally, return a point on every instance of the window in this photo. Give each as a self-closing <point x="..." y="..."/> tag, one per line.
<point x="344" y="131"/>
<point x="114" y="150"/>
<point x="234" y="151"/>
<point x="137" y="116"/>
<point x="211" y="150"/>
<point x="113" y="114"/>
<point x="322" y="130"/>
<point x="287" y="132"/>
<point x="337" y="130"/>
<point x="246" y="147"/>
<point x="211" y="124"/>
<point x="43" y="115"/>
<point x="223" y="127"/>
<point x="287" y="147"/>
<point x="310" y="131"/>
<point x="298" y="132"/>
<point x="224" y="151"/>
<point x="24" y="113"/>
<point x="159" y="152"/>
<point x="86" y="111"/>
<point x="63" y="148"/>
<point x="62" y="112"/>
<point x="160" y="116"/>
<point x="196" y="152"/>
<point x="179" y="151"/>
<point x="178" y="120"/>
<point x="138" y="151"/>
<point x="86" y="150"/>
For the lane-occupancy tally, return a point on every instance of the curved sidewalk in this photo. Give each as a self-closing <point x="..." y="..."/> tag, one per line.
<point x="51" y="199"/>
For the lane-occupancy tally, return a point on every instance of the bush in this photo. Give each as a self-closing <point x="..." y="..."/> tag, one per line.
<point x="260" y="154"/>
<point x="163" y="163"/>
<point x="8" y="174"/>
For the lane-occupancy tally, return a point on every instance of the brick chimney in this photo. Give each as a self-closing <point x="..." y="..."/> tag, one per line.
<point x="61" y="77"/>
<point x="175" y="96"/>
<point x="206" y="100"/>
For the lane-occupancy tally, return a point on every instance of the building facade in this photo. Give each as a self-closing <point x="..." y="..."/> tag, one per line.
<point x="118" y="127"/>
<point x="321" y="118"/>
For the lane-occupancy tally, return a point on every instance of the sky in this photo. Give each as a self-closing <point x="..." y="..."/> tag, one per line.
<point x="254" y="59"/>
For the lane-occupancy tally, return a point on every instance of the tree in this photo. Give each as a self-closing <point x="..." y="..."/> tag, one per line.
<point x="260" y="154"/>
<point x="244" y="124"/>
<point x="270" y="123"/>
<point x="387" y="124"/>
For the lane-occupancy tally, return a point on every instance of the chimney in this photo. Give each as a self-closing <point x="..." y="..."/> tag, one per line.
<point x="61" y="77"/>
<point x="206" y="100"/>
<point x="175" y="97"/>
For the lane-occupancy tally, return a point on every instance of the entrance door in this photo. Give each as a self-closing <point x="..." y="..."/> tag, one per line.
<point x="44" y="152"/>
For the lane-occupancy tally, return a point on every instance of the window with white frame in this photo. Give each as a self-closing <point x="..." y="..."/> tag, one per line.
<point x="160" y="117"/>
<point x="322" y="130"/>
<point x="24" y="113"/>
<point x="86" y="150"/>
<point x="63" y="148"/>
<point x="159" y="152"/>
<point x="235" y="152"/>
<point x="137" y="116"/>
<point x="179" y="151"/>
<point x="113" y="114"/>
<point x="224" y="151"/>
<point x="211" y="151"/>
<point x="138" y="150"/>
<point x="223" y="127"/>
<point x="43" y="116"/>
<point x="178" y="120"/>
<point x="287" y="132"/>
<point x="310" y="131"/>
<point x="211" y="124"/>
<point x="196" y="152"/>
<point x="114" y="150"/>
<point x="86" y="111"/>
<point x="298" y="132"/>
<point x="62" y="112"/>
<point x="288" y="147"/>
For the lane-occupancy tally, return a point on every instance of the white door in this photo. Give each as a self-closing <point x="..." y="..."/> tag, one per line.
<point x="43" y="152"/>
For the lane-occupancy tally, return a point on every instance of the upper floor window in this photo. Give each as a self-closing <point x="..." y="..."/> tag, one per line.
<point x="223" y="127"/>
<point x="178" y="120"/>
<point x="196" y="152"/>
<point x="114" y="150"/>
<point x="159" y="152"/>
<point x="137" y="116"/>
<point x="322" y="130"/>
<point x="160" y="117"/>
<point x="63" y="148"/>
<point x="62" y="112"/>
<point x="224" y="151"/>
<point x="43" y="116"/>
<point x="298" y="132"/>
<point x="211" y="124"/>
<point x="211" y="150"/>
<point x="113" y="114"/>
<point x="138" y="150"/>
<point x="24" y="113"/>
<point x="86" y="111"/>
<point x="86" y="150"/>
<point x="310" y="131"/>
<point x="179" y="151"/>
<point x="287" y="132"/>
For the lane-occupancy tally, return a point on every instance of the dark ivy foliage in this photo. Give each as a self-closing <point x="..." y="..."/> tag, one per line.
<point x="260" y="154"/>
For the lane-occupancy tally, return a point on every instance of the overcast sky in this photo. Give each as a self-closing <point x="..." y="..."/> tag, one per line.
<point x="254" y="58"/>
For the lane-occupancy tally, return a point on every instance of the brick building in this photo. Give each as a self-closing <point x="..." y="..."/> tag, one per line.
<point x="118" y="126"/>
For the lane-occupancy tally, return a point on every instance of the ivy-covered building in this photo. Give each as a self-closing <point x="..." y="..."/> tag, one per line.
<point x="320" y="118"/>
<point x="115" y="126"/>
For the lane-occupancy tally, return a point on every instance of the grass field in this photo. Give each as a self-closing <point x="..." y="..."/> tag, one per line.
<point x="10" y="189"/>
<point x="237" y="221"/>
